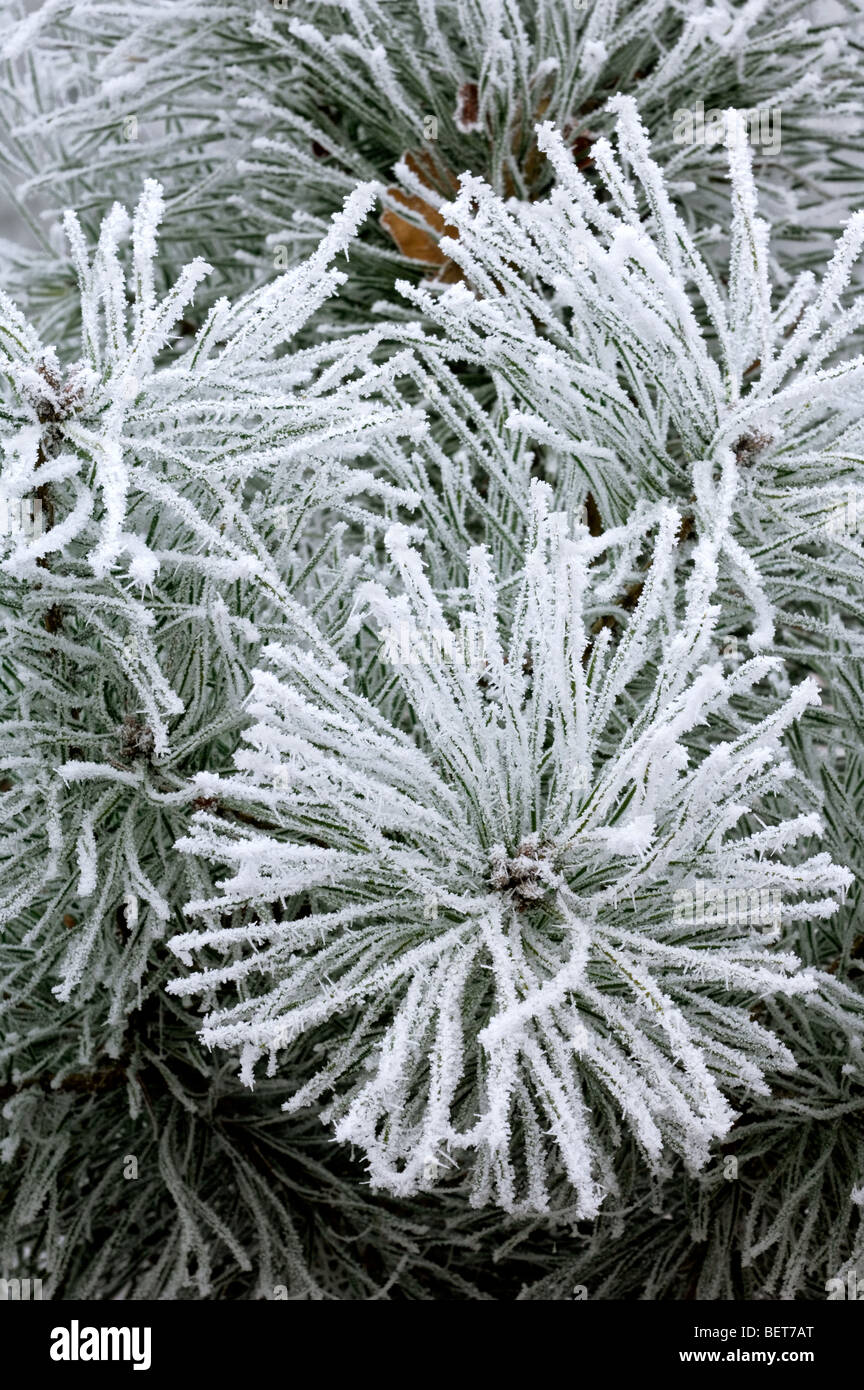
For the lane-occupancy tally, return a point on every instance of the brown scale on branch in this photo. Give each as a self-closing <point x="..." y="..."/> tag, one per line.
<point x="56" y="403"/>
<point x="748" y="448"/>
<point x="79" y="1083"/>
<point x="581" y="145"/>
<point x="419" y="242"/>
<point x="525" y="876"/>
<point x="60" y="401"/>
<point x="593" y="519"/>
<point x="53" y="619"/>
<point x="136" y="740"/>
<point x="468" y="107"/>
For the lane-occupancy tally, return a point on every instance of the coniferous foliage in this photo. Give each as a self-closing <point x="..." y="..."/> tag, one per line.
<point x="432" y="699"/>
